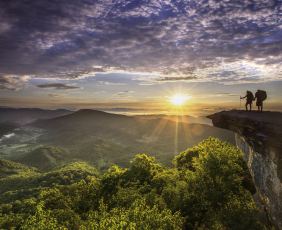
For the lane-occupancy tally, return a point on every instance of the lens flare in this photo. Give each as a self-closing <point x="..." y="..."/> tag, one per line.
<point x="179" y="99"/>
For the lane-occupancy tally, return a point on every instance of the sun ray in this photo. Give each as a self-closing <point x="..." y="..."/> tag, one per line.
<point x="157" y="130"/>
<point x="176" y="135"/>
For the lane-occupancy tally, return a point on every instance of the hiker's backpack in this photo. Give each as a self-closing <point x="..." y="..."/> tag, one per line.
<point x="263" y="95"/>
<point x="250" y="96"/>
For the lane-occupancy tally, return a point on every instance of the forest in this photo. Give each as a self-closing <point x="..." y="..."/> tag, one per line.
<point x="208" y="186"/>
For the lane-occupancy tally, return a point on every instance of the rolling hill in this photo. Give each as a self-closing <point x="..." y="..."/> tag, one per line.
<point x="7" y="127"/>
<point x="104" y="138"/>
<point x="63" y="174"/>
<point x="44" y="157"/>
<point x="10" y="168"/>
<point x="23" y="116"/>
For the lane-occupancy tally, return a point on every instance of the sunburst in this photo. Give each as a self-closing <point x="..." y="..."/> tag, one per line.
<point x="179" y="99"/>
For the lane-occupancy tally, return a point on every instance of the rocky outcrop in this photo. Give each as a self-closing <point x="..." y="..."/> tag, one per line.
<point x="259" y="136"/>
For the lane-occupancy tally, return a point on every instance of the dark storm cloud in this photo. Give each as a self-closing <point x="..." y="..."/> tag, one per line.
<point x="71" y="37"/>
<point x="57" y="86"/>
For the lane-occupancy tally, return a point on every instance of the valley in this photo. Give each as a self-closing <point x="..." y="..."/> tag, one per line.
<point x="103" y="139"/>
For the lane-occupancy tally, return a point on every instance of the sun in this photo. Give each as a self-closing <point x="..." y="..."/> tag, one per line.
<point x="179" y="99"/>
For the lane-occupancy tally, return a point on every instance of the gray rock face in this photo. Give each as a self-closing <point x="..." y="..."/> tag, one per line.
<point x="259" y="136"/>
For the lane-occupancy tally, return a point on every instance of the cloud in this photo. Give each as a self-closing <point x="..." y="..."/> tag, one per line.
<point x="13" y="82"/>
<point x="58" y="86"/>
<point x="185" y="78"/>
<point x="125" y="92"/>
<point x="108" y="83"/>
<point x="226" y="94"/>
<point x="53" y="95"/>
<point x="72" y="39"/>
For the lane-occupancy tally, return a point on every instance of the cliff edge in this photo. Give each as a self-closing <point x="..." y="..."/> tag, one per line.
<point x="259" y="136"/>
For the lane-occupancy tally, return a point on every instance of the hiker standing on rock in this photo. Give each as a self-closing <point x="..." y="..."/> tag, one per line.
<point x="249" y="99"/>
<point x="260" y="96"/>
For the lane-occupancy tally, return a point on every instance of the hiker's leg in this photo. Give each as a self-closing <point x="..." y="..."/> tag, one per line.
<point x="246" y="105"/>
<point x="250" y="107"/>
<point x="261" y="107"/>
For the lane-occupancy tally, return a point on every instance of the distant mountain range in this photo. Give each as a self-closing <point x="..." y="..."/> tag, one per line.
<point x="178" y="118"/>
<point x="100" y="138"/>
<point x="21" y="116"/>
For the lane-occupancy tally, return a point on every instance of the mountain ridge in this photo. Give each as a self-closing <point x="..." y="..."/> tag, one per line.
<point x="23" y="116"/>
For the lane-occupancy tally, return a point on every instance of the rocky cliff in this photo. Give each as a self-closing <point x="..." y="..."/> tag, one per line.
<point x="259" y="136"/>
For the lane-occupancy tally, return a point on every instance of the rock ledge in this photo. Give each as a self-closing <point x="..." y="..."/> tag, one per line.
<point x="259" y="136"/>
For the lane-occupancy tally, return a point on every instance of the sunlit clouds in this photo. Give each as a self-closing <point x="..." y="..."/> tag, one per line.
<point x="107" y="52"/>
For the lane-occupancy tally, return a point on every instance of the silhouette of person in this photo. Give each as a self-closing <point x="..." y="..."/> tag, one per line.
<point x="260" y="96"/>
<point x="249" y="99"/>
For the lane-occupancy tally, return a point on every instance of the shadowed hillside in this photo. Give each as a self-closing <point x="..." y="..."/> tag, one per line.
<point x="25" y="115"/>
<point x="6" y="127"/>
<point x="10" y="168"/>
<point x="44" y="157"/>
<point x="105" y="138"/>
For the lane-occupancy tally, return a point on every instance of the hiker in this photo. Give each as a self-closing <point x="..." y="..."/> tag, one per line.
<point x="249" y="99"/>
<point x="260" y="96"/>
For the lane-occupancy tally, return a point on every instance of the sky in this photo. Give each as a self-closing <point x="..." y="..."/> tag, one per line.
<point x="133" y="55"/>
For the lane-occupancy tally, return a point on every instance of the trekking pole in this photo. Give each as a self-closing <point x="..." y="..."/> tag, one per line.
<point x="240" y="102"/>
